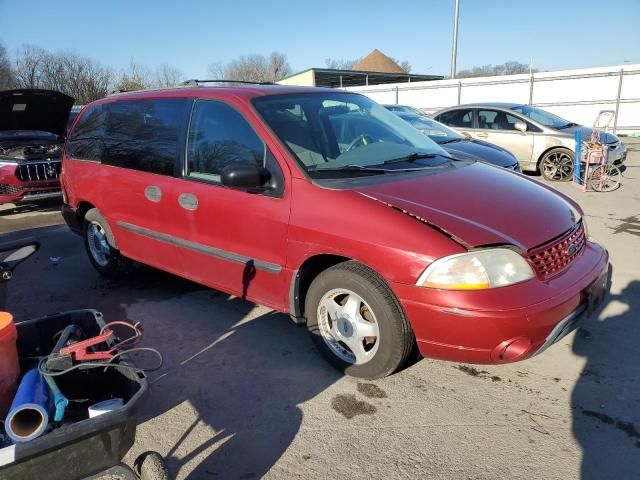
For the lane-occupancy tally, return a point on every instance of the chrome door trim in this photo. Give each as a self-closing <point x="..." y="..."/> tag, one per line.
<point x="198" y="247"/>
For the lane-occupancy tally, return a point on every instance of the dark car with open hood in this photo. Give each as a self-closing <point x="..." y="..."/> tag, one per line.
<point x="32" y="127"/>
<point x="326" y="206"/>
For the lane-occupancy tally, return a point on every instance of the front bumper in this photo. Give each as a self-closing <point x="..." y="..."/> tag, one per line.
<point x="505" y="324"/>
<point x="617" y="153"/>
<point x="13" y="190"/>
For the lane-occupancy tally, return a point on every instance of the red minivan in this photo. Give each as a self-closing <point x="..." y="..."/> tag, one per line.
<point x="324" y="205"/>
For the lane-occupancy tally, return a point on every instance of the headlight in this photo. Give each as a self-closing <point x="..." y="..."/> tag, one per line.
<point x="8" y="164"/>
<point x="477" y="270"/>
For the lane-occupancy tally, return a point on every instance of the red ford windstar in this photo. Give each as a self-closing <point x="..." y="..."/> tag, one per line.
<point x="324" y="205"/>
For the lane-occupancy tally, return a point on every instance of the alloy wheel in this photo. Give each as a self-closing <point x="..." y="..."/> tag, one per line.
<point x="348" y="326"/>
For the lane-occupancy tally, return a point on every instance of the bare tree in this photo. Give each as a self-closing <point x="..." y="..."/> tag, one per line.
<point x="404" y="65"/>
<point x="341" y="64"/>
<point x="168" y="76"/>
<point x="6" y="73"/>
<point x="77" y="76"/>
<point x="28" y="65"/>
<point x="252" y="68"/>
<point x="136" y="77"/>
<point x="507" y="68"/>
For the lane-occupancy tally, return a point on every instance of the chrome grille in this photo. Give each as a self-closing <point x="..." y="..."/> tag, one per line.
<point x="38" y="171"/>
<point x="7" y="189"/>
<point x="553" y="257"/>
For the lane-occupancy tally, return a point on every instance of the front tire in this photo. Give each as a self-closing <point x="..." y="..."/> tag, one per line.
<point x="356" y="321"/>
<point x="557" y="165"/>
<point x="99" y="244"/>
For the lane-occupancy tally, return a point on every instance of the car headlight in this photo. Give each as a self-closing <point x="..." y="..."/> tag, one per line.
<point x="8" y="164"/>
<point x="477" y="270"/>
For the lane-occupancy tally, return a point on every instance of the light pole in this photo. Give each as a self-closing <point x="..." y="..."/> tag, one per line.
<point x="454" y="47"/>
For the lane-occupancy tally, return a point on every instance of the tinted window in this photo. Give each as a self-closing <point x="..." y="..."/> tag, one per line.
<point x="457" y="118"/>
<point x="87" y="139"/>
<point x="218" y="136"/>
<point x="145" y="134"/>
<point x="496" y="120"/>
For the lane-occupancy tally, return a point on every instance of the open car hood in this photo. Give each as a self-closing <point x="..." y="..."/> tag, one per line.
<point x="35" y="110"/>
<point x="480" y="205"/>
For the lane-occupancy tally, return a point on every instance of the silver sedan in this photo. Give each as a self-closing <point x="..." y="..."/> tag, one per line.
<point x="541" y="141"/>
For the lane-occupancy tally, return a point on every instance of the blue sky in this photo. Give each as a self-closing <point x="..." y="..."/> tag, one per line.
<point x="190" y="34"/>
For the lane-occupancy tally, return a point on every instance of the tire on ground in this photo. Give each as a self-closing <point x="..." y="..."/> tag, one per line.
<point x="395" y="334"/>
<point x="116" y="263"/>
<point x="552" y="152"/>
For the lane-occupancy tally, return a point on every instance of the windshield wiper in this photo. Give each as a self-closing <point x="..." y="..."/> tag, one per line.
<point x="412" y="157"/>
<point x="350" y="168"/>
<point x="451" y="140"/>
<point x="365" y="169"/>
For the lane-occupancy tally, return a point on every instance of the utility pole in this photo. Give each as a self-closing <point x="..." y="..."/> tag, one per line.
<point x="454" y="47"/>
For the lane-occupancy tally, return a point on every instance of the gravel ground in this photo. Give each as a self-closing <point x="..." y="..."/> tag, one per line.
<point x="244" y="395"/>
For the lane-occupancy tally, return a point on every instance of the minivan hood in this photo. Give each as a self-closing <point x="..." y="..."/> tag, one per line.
<point x="479" y="205"/>
<point x="35" y="110"/>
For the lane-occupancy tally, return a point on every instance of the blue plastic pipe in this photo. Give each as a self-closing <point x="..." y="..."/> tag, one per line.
<point x="29" y="414"/>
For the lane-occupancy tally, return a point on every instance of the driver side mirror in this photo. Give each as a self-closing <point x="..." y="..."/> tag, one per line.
<point x="520" y="126"/>
<point x="244" y="176"/>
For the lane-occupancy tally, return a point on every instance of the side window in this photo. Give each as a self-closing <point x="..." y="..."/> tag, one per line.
<point x="457" y="118"/>
<point x="218" y="136"/>
<point x="87" y="138"/>
<point x="145" y="134"/>
<point x="496" y="120"/>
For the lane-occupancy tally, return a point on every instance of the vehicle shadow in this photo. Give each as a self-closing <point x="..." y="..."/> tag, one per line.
<point x="606" y="399"/>
<point x="239" y="374"/>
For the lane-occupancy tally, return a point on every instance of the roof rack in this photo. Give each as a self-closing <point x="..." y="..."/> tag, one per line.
<point x="195" y="82"/>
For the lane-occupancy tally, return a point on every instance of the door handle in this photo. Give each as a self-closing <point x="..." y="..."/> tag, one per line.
<point x="188" y="201"/>
<point x="153" y="193"/>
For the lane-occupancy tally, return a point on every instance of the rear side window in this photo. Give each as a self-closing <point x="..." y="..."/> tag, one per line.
<point x="457" y="118"/>
<point x="219" y="136"/>
<point x="496" y="120"/>
<point x="87" y="138"/>
<point x="145" y="134"/>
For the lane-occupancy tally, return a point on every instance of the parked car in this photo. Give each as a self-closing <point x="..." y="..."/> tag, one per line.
<point x="541" y="141"/>
<point x="324" y="205"/>
<point x="32" y="125"/>
<point x="405" y="109"/>
<point x="462" y="147"/>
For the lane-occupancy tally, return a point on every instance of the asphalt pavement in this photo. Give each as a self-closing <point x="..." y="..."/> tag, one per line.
<point x="243" y="394"/>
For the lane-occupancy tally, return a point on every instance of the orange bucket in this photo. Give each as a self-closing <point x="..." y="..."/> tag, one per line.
<point x="9" y="366"/>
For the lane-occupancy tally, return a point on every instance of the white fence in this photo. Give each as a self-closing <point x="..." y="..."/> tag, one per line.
<point x="577" y="95"/>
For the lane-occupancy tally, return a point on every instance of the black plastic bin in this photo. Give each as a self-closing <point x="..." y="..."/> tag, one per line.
<point x="87" y="446"/>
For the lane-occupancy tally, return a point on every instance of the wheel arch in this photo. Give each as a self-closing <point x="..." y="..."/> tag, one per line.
<point x="302" y="278"/>
<point x="547" y="150"/>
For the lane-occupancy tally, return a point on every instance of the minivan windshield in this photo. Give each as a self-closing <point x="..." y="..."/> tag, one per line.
<point x="542" y="117"/>
<point x="335" y="134"/>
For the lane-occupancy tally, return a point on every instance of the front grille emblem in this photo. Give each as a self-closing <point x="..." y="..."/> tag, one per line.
<point x="571" y="249"/>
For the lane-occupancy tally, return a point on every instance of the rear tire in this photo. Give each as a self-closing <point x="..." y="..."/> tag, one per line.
<point x="100" y="245"/>
<point x="356" y="321"/>
<point x="557" y="165"/>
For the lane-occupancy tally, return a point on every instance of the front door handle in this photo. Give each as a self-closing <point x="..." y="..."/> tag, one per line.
<point x="153" y="193"/>
<point x="188" y="201"/>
